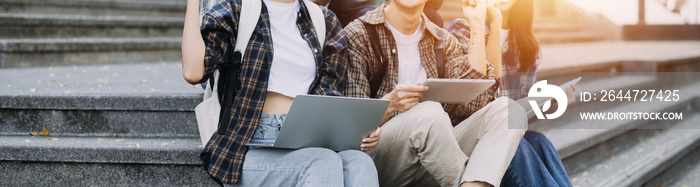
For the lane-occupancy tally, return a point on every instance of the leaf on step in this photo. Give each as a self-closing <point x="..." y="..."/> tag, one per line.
<point x="32" y="90"/>
<point x="585" y="173"/>
<point x="44" y="132"/>
<point x="52" y="138"/>
<point x="27" y="140"/>
<point x="163" y="144"/>
<point x="139" y="145"/>
<point x="120" y="140"/>
<point x="34" y="133"/>
<point x="100" y="139"/>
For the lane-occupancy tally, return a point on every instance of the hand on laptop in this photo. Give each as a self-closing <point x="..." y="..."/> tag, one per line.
<point x="372" y="141"/>
<point x="404" y="97"/>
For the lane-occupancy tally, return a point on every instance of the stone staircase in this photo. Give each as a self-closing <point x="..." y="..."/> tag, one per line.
<point x="75" y="32"/>
<point x="107" y="125"/>
<point x="103" y="78"/>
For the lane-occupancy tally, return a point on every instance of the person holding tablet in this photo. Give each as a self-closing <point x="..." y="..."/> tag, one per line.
<point x="419" y="144"/>
<point x="262" y="86"/>
<point x="536" y="162"/>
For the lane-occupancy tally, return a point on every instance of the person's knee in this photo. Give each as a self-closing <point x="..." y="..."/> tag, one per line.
<point x="430" y="112"/>
<point x="514" y="114"/>
<point x="357" y="159"/>
<point x="320" y="156"/>
<point x="534" y="136"/>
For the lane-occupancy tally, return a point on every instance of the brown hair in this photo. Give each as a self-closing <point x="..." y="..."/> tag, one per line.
<point x="526" y="46"/>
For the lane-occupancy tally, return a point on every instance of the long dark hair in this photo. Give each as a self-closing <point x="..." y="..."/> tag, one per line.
<point x="526" y="46"/>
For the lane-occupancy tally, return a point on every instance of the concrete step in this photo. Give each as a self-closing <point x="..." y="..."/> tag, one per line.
<point x="568" y="37"/>
<point x="175" y="8"/>
<point x="67" y="26"/>
<point x="634" y="157"/>
<point x="101" y="161"/>
<point x="128" y="100"/>
<point x="684" y="173"/>
<point x="593" y="56"/>
<point x="81" y="51"/>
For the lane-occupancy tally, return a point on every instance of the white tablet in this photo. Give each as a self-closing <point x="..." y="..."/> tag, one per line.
<point x="455" y="90"/>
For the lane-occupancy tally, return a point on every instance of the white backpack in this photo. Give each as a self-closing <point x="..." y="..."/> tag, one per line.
<point x="208" y="111"/>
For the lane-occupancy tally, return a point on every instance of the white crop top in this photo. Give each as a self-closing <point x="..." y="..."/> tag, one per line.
<point x="293" y="64"/>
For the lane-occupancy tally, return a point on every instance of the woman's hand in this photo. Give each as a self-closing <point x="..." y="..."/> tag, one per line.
<point x="494" y="13"/>
<point x="474" y="11"/>
<point x="372" y="141"/>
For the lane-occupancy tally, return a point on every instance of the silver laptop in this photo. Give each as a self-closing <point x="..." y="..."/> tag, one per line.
<point x="337" y="123"/>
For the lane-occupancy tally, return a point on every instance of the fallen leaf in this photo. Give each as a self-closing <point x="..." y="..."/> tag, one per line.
<point x="9" y="85"/>
<point x="152" y="90"/>
<point x="50" y="138"/>
<point x="164" y="144"/>
<point x="100" y="139"/>
<point x="44" y="132"/>
<point x="27" y="140"/>
<point x="67" y="92"/>
<point x="32" y="90"/>
<point x="34" y="133"/>
<point x="585" y="173"/>
<point x="120" y="140"/>
<point x="139" y="145"/>
<point x="200" y="146"/>
<point x="172" y="142"/>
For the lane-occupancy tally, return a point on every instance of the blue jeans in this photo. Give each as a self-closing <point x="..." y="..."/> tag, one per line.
<point x="302" y="167"/>
<point x="536" y="163"/>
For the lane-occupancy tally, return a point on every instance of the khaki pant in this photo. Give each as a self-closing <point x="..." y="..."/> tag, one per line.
<point x="420" y="147"/>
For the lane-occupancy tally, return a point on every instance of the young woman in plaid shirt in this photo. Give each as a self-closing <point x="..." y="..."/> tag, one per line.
<point x="262" y="86"/>
<point x="536" y="162"/>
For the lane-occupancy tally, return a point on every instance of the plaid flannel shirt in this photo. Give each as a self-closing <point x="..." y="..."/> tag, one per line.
<point x="362" y="63"/>
<point x="223" y="156"/>
<point x="512" y="84"/>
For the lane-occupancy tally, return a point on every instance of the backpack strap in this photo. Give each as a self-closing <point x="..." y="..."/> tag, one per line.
<point x="440" y="54"/>
<point x="319" y="21"/>
<point x="247" y="21"/>
<point x="379" y="75"/>
<point x="250" y="10"/>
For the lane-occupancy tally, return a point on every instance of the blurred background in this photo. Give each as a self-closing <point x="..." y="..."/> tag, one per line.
<point x="91" y="91"/>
